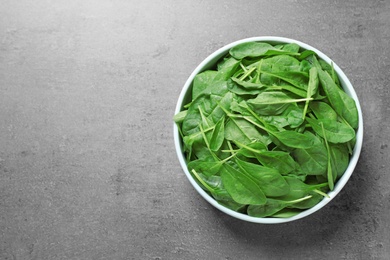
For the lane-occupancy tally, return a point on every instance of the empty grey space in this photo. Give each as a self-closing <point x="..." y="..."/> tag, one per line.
<point x="88" y="168"/>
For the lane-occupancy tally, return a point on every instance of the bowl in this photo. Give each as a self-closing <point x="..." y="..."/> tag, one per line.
<point x="185" y="97"/>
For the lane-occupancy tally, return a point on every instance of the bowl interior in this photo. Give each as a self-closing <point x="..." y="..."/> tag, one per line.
<point x="210" y="62"/>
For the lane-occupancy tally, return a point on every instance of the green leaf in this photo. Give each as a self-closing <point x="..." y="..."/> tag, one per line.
<point x="298" y="79"/>
<point x="256" y="49"/>
<point x="202" y="81"/>
<point x="250" y="150"/>
<point x="294" y="139"/>
<point x="323" y="111"/>
<point x="343" y="104"/>
<point x="278" y="160"/>
<point x="218" y="135"/>
<point x="313" y="160"/>
<point x="242" y="131"/>
<point x="335" y="132"/>
<point x="339" y="158"/>
<point x="226" y="69"/>
<point x="270" y="180"/>
<point x="179" y="117"/>
<point x="271" y="103"/>
<point x="241" y="187"/>
<point x="271" y="207"/>
<point x="240" y="87"/>
<point x="291" y="47"/>
<point x="213" y="184"/>
<point x="291" y="116"/>
<point x="207" y="168"/>
<point x="350" y="112"/>
<point x="299" y="189"/>
<point x="312" y="87"/>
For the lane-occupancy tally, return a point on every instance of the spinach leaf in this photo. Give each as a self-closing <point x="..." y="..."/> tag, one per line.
<point x="272" y="102"/>
<point x="339" y="158"/>
<point x="313" y="160"/>
<point x="335" y="132"/>
<point x="271" y="207"/>
<point x="323" y="111"/>
<point x="343" y="104"/>
<point x="202" y="81"/>
<point x="213" y="184"/>
<point x="271" y="181"/>
<point x="298" y="79"/>
<point x="238" y="129"/>
<point x="299" y="189"/>
<point x="207" y="168"/>
<point x="290" y="117"/>
<point x="350" y="113"/>
<point x="311" y="88"/>
<point x="250" y="150"/>
<point x="256" y="49"/>
<point x="241" y="187"/>
<point x="218" y="135"/>
<point x="281" y="161"/>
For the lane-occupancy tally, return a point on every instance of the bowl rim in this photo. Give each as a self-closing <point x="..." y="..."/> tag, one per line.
<point x="348" y="88"/>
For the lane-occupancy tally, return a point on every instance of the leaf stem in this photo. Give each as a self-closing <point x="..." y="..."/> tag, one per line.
<point x="300" y="199"/>
<point x="247" y="73"/>
<point x="204" y="136"/>
<point x="329" y="166"/>
<point x="321" y="193"/>
<point x="202" y="181"/>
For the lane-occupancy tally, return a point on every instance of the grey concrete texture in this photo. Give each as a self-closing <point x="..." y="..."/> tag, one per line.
<point x="88" y="168"/>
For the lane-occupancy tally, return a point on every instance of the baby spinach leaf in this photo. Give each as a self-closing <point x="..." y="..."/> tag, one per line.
<point x="256" y="49"/>
<point x="278" y="63"/>
<point x="271" y="181"/>
<point x="244" y="88"/>
<point x="339" y="158"/>
<point x="335" y="132"/>
<point x="313" y="160"/>
<point x="249" y="85"/>
<point x="218" y="135"/>
<point x="271" y="207"/>
<point x="179" y="117"/>
<point x="298" y="79"/>
<point x="241" y="187"/>
<point x="323" y="111"/>
<point x="250" y="150"/>
<point x="312" y="88"/>
<point x="202" y="81"/>
<point x="294" y="139"/>
<point x="306" y="53"/>
<point x="291" y="116"/>
<point x="350" y="113"/>
<point x="240" y="130"/>
<point x="343" y="104"/>
<point x="299" y="189"/>
<point x="330" y="70"/>
<point x="291" y="47"/>
<point x="213" y="184"/>
<point x="332" y="91"/>
<point x="278" y="160"/>
<point x="207" y="168"/>
<point x="207" y="102"/>
<point x="271" y="103"/>
<point x="286" y="213"/>
<point x="226" y="69"/>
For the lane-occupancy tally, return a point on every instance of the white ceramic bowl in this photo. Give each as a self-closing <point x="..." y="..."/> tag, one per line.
<point x="208" y="63"/>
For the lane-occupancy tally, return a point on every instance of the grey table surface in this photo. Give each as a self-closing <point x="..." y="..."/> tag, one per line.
<point x="88" y="168"/>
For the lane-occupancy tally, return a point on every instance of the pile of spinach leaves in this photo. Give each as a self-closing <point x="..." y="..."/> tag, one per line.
<point x="269" y="130"/>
